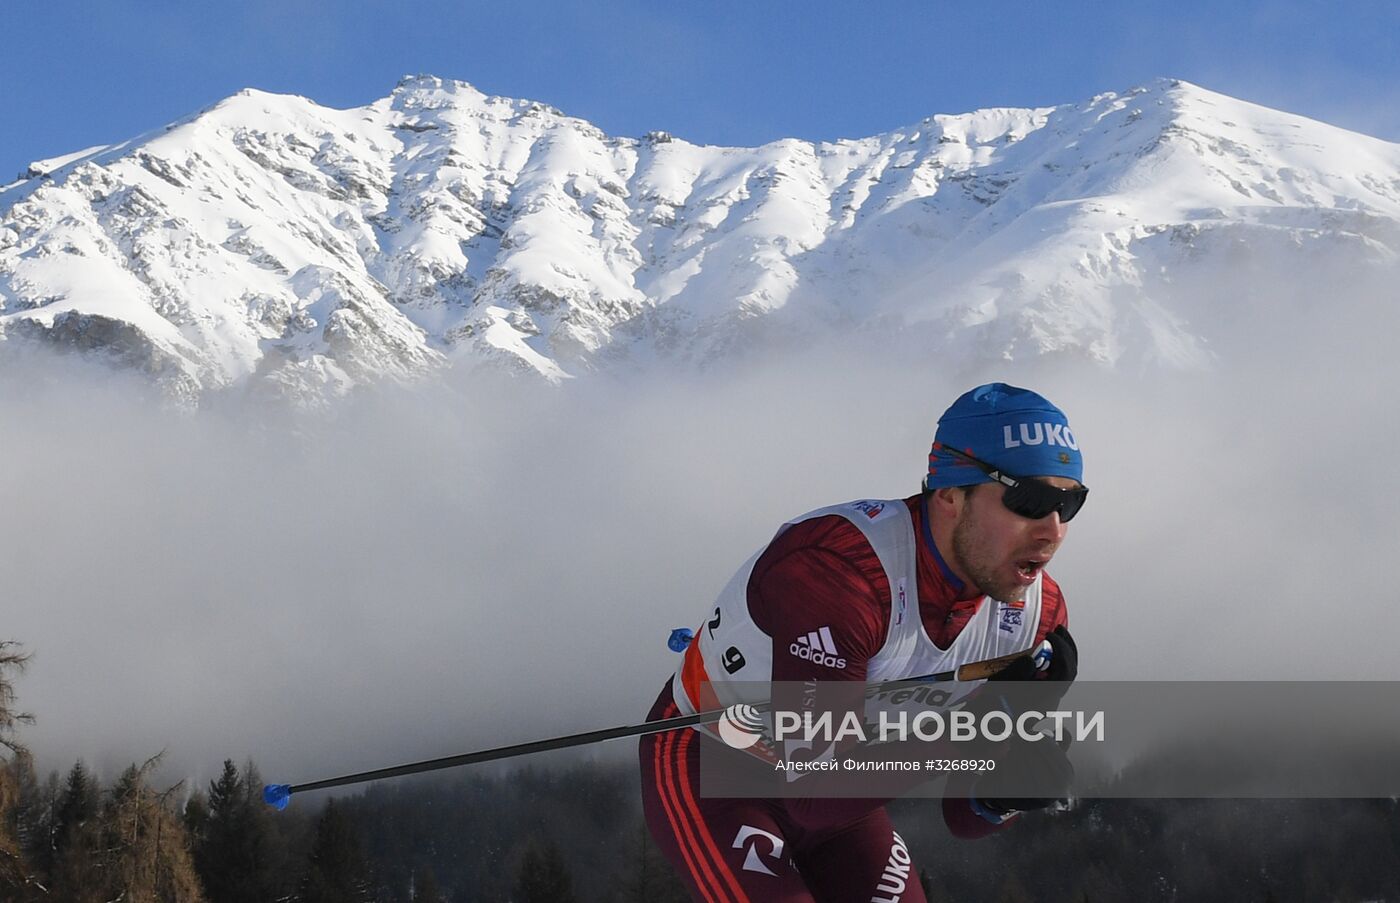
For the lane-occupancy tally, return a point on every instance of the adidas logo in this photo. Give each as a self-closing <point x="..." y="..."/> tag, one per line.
<point x="818" y="647"/>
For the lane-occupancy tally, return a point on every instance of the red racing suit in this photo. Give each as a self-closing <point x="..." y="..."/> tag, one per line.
<point x="819" y="579"/>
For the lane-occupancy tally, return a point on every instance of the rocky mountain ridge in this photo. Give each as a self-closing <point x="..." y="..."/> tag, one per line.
<point x="268" y="243"/>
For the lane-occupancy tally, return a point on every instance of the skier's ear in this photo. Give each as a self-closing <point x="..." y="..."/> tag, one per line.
<point x="949" y="501"/>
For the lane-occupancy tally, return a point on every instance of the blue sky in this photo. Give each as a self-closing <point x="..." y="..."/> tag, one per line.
<point x="75" y="74"/>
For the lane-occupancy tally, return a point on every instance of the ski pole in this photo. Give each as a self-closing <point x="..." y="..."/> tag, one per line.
<point x="280" y="795"/>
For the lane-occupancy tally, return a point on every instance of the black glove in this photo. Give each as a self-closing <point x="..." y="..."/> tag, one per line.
<point x="1022" y="687"/>
<point x="1063" y="667"/>
<point x="1026" y="767"/>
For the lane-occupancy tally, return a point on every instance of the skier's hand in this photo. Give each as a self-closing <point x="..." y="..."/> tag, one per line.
<point x="1029" y="775"/>
<point x="1062" y="667"/>
<point x="1022" y="686"/>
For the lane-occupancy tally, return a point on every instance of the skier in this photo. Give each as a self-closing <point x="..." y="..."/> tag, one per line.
<point x="832" y="598"/>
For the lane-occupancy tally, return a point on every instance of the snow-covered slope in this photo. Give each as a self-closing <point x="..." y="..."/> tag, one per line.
<point x="270" y="243"/>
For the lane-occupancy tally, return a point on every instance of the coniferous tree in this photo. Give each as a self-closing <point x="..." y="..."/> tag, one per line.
<point x="29" y="817"/>
<point x="543" y="876"/>
<point x="15" y="879"/>
<point x="74" y="870"/>
<point x="80" y="803"/>
<point x="232" y="839"/>
<point x="337" y="871"/>
<point x="134" y="848"/>
<point x="196" y="817"/>
<point x="16" y="882"/>
<point x="144" y="848"/>
<point x="41" y="836"/>
<point x="70" y="859"/>
<point x="21" y="827"/>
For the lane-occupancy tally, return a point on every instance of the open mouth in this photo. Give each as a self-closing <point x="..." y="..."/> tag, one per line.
<point x="1029" y="567"/>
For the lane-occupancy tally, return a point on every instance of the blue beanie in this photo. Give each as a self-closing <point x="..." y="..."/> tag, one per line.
<point x="1010" y="428"/>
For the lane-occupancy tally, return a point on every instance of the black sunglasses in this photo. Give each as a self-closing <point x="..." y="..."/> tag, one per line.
<point x="1026" y="496"/>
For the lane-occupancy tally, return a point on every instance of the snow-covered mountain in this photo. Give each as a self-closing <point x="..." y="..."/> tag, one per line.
<point x="274" y="244"/>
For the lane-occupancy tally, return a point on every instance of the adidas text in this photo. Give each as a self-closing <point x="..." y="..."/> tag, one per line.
<point x="818" y="646"/>
<point x="807" y="653"/>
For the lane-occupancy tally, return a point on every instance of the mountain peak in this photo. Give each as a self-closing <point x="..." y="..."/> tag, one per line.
<point x="429" y="83"/>
<point x="275" y="242"/>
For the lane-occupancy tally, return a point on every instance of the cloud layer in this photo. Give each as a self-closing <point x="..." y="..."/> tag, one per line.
<point x="485" y="562"/>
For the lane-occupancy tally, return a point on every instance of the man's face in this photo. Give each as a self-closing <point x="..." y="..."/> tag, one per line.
<point x="999" y="552"/>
